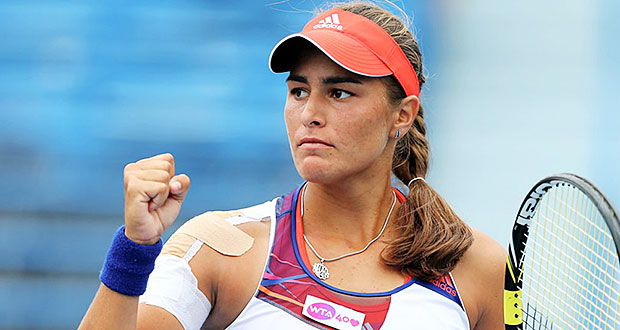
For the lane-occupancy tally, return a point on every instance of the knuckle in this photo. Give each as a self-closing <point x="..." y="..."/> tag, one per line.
<point x="132" y="183"/>
<point x="129" y="167"/>
<point x="163" y="175"/>
<point x="129" y="175"/>
<point x="129" y="181"/>
<point x="131" y="189"/>
<point x="168" y="167"/>
<point x="167" y="157"/>
<point x="162" y="187"/>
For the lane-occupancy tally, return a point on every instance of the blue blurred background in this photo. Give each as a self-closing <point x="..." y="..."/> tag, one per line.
<point x="516" y="91"/>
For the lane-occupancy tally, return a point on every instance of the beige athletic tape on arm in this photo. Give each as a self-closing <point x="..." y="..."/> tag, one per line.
<point x="212" y="229"/>
<point x="178" y="244"/>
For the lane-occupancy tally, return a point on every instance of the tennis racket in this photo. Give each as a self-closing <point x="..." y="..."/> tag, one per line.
<point x="562" y="270"/>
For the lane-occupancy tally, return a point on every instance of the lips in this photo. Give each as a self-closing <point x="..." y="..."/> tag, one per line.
<point x="313" y="142"/>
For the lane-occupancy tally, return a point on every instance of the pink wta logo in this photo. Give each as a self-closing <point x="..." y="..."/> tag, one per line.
<point x="321" y="311"/>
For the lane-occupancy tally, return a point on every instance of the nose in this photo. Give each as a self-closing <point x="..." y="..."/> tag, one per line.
<point x="313" y="112"/>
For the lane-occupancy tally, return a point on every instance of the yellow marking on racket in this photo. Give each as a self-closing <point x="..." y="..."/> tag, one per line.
<point x="513" y="314"/>
<point x="510" y="269"/>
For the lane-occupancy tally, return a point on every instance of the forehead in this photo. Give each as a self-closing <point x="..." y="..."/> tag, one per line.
<point x="311" y="61"/>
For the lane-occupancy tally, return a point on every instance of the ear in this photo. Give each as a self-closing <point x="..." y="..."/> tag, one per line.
<point x="406" y="113"/>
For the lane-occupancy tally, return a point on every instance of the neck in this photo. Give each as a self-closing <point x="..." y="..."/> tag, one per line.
<point x="351" y="213"/>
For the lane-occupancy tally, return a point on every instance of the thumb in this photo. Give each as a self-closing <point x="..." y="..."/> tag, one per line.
<point x="179" y="185"/>
<point x="177" y="190"/>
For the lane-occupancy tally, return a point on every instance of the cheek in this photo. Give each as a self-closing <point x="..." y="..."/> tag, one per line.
<point x="289" y="119"/>
<point x="365" y="131"/>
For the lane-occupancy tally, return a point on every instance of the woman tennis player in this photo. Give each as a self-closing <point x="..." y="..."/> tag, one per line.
<point x="344" y="250"/>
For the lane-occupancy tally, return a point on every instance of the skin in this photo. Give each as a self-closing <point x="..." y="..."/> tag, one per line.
<point x="341" y="130"/>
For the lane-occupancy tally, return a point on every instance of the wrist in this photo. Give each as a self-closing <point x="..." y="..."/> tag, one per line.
<point x="137" y="240"/>
<point x="129" y="264"/>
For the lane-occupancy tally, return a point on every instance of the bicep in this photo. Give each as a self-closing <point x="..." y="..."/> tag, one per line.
<point x="154" y="317"/>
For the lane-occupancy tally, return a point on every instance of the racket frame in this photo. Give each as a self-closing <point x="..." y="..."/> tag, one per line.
<point x="513" y="315"/>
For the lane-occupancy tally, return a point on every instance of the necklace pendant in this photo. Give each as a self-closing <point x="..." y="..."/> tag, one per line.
<point x="320" y="270"/>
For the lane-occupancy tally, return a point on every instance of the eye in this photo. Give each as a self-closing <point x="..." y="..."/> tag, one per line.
<point x="341" y="94"/>
<point x="299" y="92"/>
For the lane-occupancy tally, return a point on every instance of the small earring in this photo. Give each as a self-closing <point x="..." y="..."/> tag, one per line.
<point x="397" y="133"/>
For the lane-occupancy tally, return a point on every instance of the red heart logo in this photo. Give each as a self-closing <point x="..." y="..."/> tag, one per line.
<point x="355" y="322"/>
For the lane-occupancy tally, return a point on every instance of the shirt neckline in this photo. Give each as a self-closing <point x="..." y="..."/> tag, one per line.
<point x="302" y="254"/>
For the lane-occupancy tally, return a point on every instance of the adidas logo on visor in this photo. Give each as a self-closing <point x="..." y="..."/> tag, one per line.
<point x="329" y="22"/>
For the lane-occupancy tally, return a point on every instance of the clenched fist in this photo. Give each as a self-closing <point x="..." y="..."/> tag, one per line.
<point x="153" y="197"/>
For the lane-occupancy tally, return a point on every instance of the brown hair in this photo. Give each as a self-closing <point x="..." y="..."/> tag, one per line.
<point x="432" y="237"/>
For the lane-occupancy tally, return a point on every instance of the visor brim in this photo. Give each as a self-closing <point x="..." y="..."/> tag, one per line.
<point x="345" y="51"/>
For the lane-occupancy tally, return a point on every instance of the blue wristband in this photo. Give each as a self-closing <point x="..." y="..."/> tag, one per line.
<point x="128" y="264"/>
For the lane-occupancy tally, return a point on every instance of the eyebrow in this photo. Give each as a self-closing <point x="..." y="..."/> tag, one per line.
<point x="326" y="81"/>
<point x="298" y="78"/>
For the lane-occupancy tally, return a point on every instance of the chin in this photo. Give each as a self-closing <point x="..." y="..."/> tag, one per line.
<point x="318" y="171"/>
<point x="319" y="178"/>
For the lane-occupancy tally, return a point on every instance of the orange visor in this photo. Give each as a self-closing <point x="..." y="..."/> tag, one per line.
<point x="353" y="42"/>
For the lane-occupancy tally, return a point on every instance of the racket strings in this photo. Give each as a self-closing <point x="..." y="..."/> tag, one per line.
<point x="590" y="270"/>
<point x="579" y="227"/>
<point x="609" y="248"/>
<point x="550" y="289"/>
<point x="550" y="295"/>
<point x="609" y="267"/>
<point x="558" y="277"/>
<point x="571" y="275"/>
<point x="534" y="320"/>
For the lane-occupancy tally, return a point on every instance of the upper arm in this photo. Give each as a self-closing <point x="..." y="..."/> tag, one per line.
<point x="480" y="278"/>
<point x="174" y="298"/>
<point x="153" y="317"/>
<point x="493" y="260"/>
<point x="194" y="275"/>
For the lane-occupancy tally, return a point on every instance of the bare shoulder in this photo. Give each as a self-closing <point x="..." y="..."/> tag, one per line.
<point x="480" y="280"/>
<point x="229" y="264"/>
<point x="485" y="254"/>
